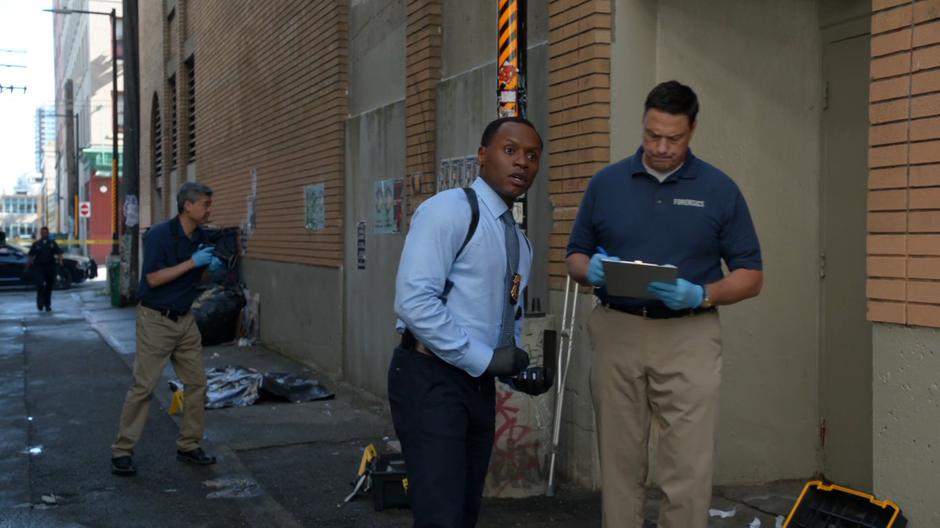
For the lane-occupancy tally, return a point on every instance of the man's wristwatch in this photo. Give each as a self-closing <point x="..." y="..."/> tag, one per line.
<point x="706" y="300"/>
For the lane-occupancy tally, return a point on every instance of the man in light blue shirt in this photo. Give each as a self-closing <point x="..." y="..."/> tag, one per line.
<point x="458" y="296"/>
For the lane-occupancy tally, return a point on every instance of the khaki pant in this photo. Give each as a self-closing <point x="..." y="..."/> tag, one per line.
<point x="667" y="370"/>
<point x="159" y="339"/>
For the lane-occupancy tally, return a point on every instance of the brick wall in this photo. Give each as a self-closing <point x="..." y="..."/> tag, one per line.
<point x="904" y="163"/>
<point x="423" y="43"/>
<point x="271" y="94"/>
<point x="579" y="111"/>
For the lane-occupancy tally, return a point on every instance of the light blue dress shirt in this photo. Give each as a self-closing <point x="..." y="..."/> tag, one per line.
<point x="464" y="331"/>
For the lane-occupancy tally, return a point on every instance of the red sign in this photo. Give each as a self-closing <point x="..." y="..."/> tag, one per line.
<point x="84" y="210"/>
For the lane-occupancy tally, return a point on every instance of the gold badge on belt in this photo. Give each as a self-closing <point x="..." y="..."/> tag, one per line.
<point x="514" y="291"/>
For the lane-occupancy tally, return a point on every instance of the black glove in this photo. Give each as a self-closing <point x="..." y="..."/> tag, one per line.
<point x="533" y="380"/>
<point x="507" y="361"/>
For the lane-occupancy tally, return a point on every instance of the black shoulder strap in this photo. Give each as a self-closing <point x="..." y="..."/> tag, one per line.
<point x="474" y="218"/>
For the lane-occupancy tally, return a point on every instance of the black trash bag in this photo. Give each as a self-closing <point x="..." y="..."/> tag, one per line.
<point x="228" y="387"/>
<point x="216" y="312"/>
<point x="294" y="388"/>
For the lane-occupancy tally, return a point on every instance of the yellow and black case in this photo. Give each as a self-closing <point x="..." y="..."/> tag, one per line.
<point x="824" y="505"/>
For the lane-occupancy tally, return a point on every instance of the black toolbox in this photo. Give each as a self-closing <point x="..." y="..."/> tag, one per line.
<point x="389" y="482"/>
<point x="824" y="505"/>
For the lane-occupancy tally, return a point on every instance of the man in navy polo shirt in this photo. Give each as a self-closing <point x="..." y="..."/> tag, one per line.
<point x="660" y="359"/>
<point x="175" y="257"/>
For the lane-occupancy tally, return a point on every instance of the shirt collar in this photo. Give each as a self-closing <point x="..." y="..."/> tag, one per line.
<point x="176" y="229"/>
<point x="685" y="171"/>
<point x="488" y="197"/>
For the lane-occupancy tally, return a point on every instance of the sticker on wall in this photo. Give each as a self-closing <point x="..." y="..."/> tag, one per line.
<point x="131" y="210"/>
<point x="455" y="173"/>
<point x="314" y="207"/>
<point x="388" y="206"/>
<point x="361" y="245"/>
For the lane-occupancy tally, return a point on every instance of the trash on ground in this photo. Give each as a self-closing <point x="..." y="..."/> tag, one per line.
<point x="49" y="499"/>
<point x="755" y="523"/>
<point x="248" y="319"/>
<point x="35" y="450"/>
<point x="216" y="312"/>
<point x="236" y="386"/>
<point x="232" y="488"/>
<point x="780" y="520"/>
<point x="294" y="388"/>
<point x="722" y="513"/>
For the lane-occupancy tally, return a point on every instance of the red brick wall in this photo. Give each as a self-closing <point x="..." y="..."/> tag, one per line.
<point x="904" y="163"/>
<point x="423" y="44"/>
<point x="579" y="111"/>
<point x="270" y="95"/>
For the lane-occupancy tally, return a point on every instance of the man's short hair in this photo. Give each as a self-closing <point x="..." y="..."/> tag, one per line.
<point x="673" y="98"/>
<point x="494" y="125"/>
<point x="190" y="192"/>
<point x="46" y="228"/>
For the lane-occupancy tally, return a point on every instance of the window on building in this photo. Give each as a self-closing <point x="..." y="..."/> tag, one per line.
<point x="156" y="139"/>
<point x="191" y="93"/>
<point x="174" y="134"/>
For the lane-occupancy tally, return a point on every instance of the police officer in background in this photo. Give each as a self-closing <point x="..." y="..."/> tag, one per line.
<point x="175" y="261"/>
<point x="44" y="254"/>
<point x="660" y="359"/>
<point x="458" y="296"/>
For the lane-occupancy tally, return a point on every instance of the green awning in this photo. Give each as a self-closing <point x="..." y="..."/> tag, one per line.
<point x="99" y="157"/>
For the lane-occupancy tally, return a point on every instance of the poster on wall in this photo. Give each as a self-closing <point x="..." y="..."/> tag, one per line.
<point x="314" y="207"/>
<point x="388" y="206"/>
<point x="471" y="168"/>
<point x="442" y="174"/>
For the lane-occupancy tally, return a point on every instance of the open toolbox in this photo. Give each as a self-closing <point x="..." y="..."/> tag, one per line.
<point x="824" y="505"/>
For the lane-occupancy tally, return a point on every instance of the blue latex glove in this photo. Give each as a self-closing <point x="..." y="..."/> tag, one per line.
<point x="682" y="295"/>
<point x="216" y="265"/>
<point x="203" y="256"/>
<point x="595" y="274"/>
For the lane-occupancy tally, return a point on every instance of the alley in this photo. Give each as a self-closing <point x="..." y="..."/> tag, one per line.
<point x="62" y="380"/>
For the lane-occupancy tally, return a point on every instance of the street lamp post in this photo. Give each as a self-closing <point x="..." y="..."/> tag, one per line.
<point x="112" y="15"/>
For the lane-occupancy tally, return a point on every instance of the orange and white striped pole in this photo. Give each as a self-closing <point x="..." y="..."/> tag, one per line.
<point x="511" y="58"/>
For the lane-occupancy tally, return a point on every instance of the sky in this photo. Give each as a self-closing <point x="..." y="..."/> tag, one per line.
<point x="27" y="30"/>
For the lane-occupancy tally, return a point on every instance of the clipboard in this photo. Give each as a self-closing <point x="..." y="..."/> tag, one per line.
<point x="630" y="278"/>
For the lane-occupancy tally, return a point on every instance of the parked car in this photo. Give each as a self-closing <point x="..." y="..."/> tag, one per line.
<point x="75" y="268"/>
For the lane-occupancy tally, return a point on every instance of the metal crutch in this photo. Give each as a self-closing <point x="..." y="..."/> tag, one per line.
<point x="563" y="360"/>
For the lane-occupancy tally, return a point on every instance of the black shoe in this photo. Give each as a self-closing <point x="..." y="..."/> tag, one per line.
<point x="196" y="456"/>
<point x="123" y="466"/>
<point x="48" y="308"/>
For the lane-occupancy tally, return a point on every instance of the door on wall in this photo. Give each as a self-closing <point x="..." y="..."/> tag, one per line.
<point x="845" y="364"/>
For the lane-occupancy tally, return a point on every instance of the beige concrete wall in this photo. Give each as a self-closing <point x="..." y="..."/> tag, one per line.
<point x="907" y="420"/>
<point x="756" y="69"/>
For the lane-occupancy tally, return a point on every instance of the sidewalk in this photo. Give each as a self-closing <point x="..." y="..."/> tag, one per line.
<point x="304" y="455"/>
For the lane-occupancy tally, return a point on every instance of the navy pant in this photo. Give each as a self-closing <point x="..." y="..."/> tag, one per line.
<point x="45" y="280"/>
<point x="445" y="420"/>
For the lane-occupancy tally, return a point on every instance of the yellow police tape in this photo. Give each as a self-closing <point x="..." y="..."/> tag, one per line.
<point x="29" y="241"/>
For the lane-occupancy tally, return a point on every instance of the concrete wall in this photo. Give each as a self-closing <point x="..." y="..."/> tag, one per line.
<point x="907" y="420"/>
<point x="375" y="150"/>
<point x="756" y="69"/>
<point x="301" y="311"/>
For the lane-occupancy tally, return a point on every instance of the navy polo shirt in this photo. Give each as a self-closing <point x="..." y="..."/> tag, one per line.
<point x="165" y="246"/>
<point x="693" y="220"/>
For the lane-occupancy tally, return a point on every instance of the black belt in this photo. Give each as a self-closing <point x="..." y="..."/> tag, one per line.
<point x="658" y="312"/>
<point x="172" y="315"/>
<point x="409" y="342"/>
